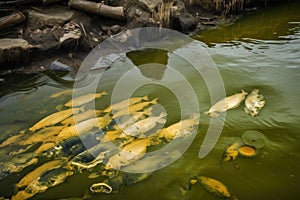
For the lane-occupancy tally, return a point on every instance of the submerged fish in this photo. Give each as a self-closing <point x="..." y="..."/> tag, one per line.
<point x="41" y="135"/>
<point x="83" y="127"/>
<point x="16" y="164"/>
<point x="129" y="153"/>
<point x="215" y="187"/>
<point x="48" y="179"/>
<point x="133" y="108"/>
<point x="55" y="118"/>
<point x="145" y="125"/>
<point x="125" y="103"/>
<point x="84" y="99"/>
<point x="81" y="117"/>
<point x="64" y="92"/>
<point x="227" y="103"/>
<point x="31" y="176"/>
<point x="254" y="103"/>
<point x="182" y="128"/>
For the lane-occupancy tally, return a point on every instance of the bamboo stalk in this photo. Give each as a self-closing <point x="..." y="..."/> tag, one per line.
<point x="98" y="9"/>
<point x="11" y="20"/>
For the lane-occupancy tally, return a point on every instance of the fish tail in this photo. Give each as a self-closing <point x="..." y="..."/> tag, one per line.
<point x="146" y="98"/>
<point x="154" y="101"/>
<point x="161" y="121"/>
<point x="148" y="111"/>
<point x="104" y="93"/>
<point x="163" y="114"/>
<point x="243" y="92"/>
<point x="82" y="108"/>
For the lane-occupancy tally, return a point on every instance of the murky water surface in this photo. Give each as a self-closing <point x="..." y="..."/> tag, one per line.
<point x="260" y="51"/>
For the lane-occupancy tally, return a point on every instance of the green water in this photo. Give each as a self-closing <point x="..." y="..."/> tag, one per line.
<point x="262" y="51"/>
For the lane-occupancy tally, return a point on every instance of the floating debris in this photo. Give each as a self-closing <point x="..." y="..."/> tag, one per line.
<point x="254" y="139"/>
<point x="247" y="151"/>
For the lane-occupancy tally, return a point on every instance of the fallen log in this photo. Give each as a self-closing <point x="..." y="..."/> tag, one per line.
<point x="99" y="9"/>
<point x="11" y="20"/>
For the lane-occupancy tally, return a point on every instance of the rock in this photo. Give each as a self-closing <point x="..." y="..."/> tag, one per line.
<point x="14" y="51"/>
<point x="48" y="16"/>
<point x="115" y="29"/>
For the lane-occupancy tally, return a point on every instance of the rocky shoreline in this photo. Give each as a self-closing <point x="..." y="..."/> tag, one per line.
<point x="34" y="34"/>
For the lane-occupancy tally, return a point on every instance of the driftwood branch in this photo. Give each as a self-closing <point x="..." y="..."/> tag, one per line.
<point x="99" y="9"/>
<point x="11" y="20"/>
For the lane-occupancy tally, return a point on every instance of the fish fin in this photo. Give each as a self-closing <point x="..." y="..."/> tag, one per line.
<point x="82" y="108"/>
<point x="243" y="92"/>
<point x="163" y="114"/>
<point x="148" y="111"/>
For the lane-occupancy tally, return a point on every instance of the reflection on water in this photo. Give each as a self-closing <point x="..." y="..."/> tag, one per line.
<point x="261" y="51"/>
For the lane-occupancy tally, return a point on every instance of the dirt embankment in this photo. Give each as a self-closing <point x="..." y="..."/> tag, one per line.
<point x="35" y="33"/>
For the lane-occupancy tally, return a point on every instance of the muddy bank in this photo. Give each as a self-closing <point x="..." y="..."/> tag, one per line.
<point x="34" y="34"/>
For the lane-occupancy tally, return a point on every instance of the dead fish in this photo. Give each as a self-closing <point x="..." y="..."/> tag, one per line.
<point x="227" y="103"/>
<point x="129" y="153"/>
<point x="31" y="176"/>
<point x="12" y="140"/>
<point x="55" y="118"/>
<point x="84" y="99"/>
<point x="254" y="103"/>
<point x="182" y="128"/>
<point x="83" y="127"/>
<point x="215" y="187"/>
<point x="44" y="147"/>
<point x="40" y="136"/>
<point x="16" y="164"/>
<point x="145" y="125"/>
<point x="125" y="103"/>
<point x="133" y="108"/>
<point x="124" y="121"/>
<point x="232" y="152"/>
<point x="48" y="179"/>
<point x="80" y="117"/>
<point x="64" y="92"/>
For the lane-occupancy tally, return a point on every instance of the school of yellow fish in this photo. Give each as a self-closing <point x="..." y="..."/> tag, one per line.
<point x="58" y="138"/>
<point x="128" y="125"/>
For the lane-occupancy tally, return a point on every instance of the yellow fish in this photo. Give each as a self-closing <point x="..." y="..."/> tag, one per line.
<point x="130" y="153"/>
<point x="215" y="187"/>
<point x="83" y="127"/>
<point x="127" y="120"/>
<point x="58" y="94"/>
<point x="80" y="117"/>
<point x="55" y="118"/>
<point x="180" y="129"/>
<point x="41" y="136"/>
<point x="84" y="99"/>
<point x="227" y="103"/>
<point x="145" y="125"/>
<point x="28" y="178"/>
<point x="133" y="108"/>
<point x="125" y="103"/>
